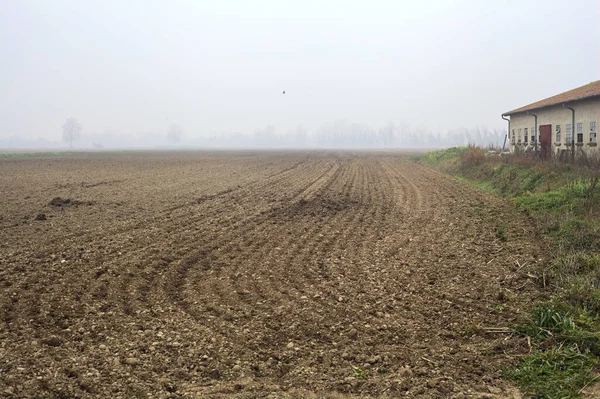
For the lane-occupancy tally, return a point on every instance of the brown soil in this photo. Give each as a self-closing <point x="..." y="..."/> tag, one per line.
<point x="251" y="275"/>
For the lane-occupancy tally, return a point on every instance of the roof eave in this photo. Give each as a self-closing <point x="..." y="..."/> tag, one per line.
<point x="519" y="111"/>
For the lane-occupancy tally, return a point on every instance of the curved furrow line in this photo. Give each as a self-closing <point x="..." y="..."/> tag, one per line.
<point x="208" y="236"/>
<point x="342" y="238"/>
<point x="387" y="220"/>
<point x="297" y="276"/>
<point x="319" y="239"/>
<point x="402" y="192"/>
<point x="275" y="238"/>
<point x="405" y="253"/>
<point x="357" y="231"/>
<point x="363" y="278"/>
<point x="232" y="316"/>
<point x="162" y="214"/>
<point x="443" y="190"/>
<point x="367" y="228"/>
<point x="102" y="288"/>
<point x="353" y="252"/>
<point x="222" y="243"/>
<point x="428" y="204"/>
<point x="355" y="223"/>
<point x="414" y="200"/>
<point x="270" y="293"/>
<point x="317" y="186"/>
<point x="444" y="185"/>
<point x="387" y="216"/>
<point x="139" y="293"/>
<point x="419" y="206"/>
<point x="397" y="213"/>
<point x="180" y="215"/>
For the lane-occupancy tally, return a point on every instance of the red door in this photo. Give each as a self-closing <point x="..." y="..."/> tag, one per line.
<point x="546" y="141"/>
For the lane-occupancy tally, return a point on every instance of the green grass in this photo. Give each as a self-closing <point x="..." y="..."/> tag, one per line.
<point x="558" y="373"/>
<point x="436" y="158"/>
<point x="359" y="372"/>
<point x="572" y="198"/>
<point x="564" y="202"/>
<point x="483" y="185"/>
<point x="501" y="233"/>
<point x="498" y="309"/>
<point x="564" y="358"/>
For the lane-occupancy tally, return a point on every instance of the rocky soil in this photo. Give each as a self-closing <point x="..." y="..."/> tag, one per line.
<point x="256" y="275"/>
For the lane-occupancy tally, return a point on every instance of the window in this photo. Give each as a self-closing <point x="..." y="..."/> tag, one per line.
<point x="519" y="137"/>
<point x="593" y="132"/>
<point x="568" y="136"/>
<point x="533" y="134"/>
<point x="526" y="135"/>
<point x="580" y="132"/>
<point x="557" y="134"/>
<point x="513" y="136"/>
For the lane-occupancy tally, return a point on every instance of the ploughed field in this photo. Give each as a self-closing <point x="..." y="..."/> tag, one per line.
<point x="255" y="274"/>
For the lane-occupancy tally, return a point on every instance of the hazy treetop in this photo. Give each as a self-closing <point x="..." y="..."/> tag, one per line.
<point x="221" y="66"/>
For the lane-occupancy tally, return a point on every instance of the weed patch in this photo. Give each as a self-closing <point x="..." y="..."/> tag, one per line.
<point x="501" y="233"/>
<point x="555" y="373"/>
<point x="445" y="158"/>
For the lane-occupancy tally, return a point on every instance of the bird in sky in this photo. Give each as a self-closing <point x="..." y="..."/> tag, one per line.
<point x="284" y="92"/>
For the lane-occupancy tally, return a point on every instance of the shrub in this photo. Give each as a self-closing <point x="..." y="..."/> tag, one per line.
<point x="472" y="156"/>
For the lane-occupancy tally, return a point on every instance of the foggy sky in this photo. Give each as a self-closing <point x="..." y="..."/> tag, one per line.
<point x="220" y="66"/>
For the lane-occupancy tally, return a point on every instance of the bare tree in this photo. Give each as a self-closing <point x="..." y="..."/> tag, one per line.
<point x="71" y="131"/>
<point x="174" y="133"/>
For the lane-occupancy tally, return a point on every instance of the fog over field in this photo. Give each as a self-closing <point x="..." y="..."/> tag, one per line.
<point x="284" y="74"/>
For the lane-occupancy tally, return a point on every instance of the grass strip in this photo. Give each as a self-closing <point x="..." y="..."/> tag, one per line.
<point x="564" y="201"/>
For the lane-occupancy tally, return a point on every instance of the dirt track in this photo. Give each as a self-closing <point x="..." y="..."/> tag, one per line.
<point x="255" y="275"/>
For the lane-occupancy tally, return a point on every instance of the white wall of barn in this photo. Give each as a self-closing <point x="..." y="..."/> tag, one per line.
<point x="587" y="112"/>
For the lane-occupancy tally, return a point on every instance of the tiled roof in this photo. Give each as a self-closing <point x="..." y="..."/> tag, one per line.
<point x="580" y="93"/>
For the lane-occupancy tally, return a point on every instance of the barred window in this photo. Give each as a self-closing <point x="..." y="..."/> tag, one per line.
<point x="557" y="134"/>
<point x="569" y="133"/>
<point x="580" y="132"/>
<point x="593" y="132"/>
<point x="533" y="132"/>
<point x="526" y="135"/>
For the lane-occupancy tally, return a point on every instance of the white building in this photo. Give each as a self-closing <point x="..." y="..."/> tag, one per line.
<point x="563" y="122"/>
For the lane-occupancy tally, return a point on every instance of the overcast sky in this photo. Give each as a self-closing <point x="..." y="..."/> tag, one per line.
<point x="221" y="66"/>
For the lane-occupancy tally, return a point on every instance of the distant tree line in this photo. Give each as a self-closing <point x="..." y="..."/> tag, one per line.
<point x="343" y="134"/>
<point x="340" y="134"/>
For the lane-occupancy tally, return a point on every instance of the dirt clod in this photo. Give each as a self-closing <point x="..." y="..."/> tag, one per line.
<point x="131" y="361"/>
<point x="60" y="202"/>
<point x="41" y="216"/>
<point x="374" y="359"/>
<point x="52" y="340"/>
<point x="405" y="372"/>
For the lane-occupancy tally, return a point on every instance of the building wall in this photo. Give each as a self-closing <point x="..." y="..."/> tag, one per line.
<point x="585" y="112"/>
